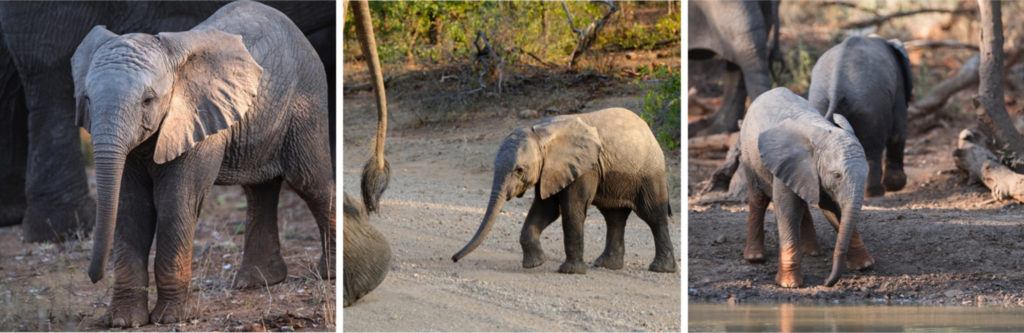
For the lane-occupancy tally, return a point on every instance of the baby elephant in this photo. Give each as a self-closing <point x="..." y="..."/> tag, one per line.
<point x="239" y="99"/>
<point x="869" y="81"/>
<point x="796" y="158"/>
<point x="607" y="158"/>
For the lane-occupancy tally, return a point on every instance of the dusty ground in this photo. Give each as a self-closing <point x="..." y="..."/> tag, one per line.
<point x="44" y="287"/>
<point x="940" y="241"/>
<point x="441" y="177"/>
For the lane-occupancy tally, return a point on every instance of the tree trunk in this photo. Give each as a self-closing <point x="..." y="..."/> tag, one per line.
<point x="989" y="105"/>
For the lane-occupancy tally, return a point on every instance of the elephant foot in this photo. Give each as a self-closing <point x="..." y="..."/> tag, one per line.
<point x="129" y="310"/>
<point x="859" y="259"/>
<point x="663" y="265"/>
<point x="533" y="259"/>
<point x="874" y="190"/>
<point x="269" y="272"/>
<point x="167" y="312"/>
<point x="894" y="180"/>
<point x="47" y="223"/>
<point x="573" y="267"/>
<point x="789" y="279"/>
<point x="753" y="255"/>
<point x="609" y="261"/>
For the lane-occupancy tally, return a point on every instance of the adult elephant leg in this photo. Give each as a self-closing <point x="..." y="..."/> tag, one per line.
<point x="367" y="253"/>
<point x="874" y="186"/>
<point x="614" y="246"/>
<point x="857" y="256"/>
<point x="789" y="209"/>
<point x="262" y="264"/>
<point x="13" y="142"/>
<point x="542" y="214"/>
<point x="57" y="193"/>
<point x="733" y="105"/>
<point x="894" y="178"/>
<point x="133" y="239"/>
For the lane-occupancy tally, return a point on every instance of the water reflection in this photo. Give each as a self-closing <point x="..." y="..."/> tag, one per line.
<point x="801" y="318"/>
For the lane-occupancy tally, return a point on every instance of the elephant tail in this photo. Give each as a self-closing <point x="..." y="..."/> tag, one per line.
<point x="834" y="97"/>
<point x="377" y="171"/>
<point x="774" y="53"/>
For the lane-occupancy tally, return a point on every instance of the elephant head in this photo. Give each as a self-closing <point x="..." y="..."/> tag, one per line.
<point x="177" y="87"/>
<point x="818" y="162"/>
<point x="549" y="155"/>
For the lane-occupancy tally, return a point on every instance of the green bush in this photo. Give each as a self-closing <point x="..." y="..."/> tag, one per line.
<point x="661" y="105"/>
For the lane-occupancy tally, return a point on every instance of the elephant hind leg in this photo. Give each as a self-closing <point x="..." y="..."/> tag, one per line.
<point x="262" y="263"/>
<point x="614" y="248"/>
<point x="664" y="253"/>
<point x="857" y="257"/>
<point x="808" y="237"/>
<point x="542" y="214"/>
<point x="757" y="205"/>
<point x="894" y="178"/>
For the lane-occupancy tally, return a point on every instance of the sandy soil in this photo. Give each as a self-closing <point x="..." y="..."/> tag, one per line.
<point x="44" y="287"/>
<point x="441" y="177"/>
<point x="940" y="241"/>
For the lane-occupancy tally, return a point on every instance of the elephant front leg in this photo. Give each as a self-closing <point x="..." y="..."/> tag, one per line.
<point x="574" y="214"/>
<point x="614" y="247"/>
<point x="262" y="264"/>
<point x="172" y="266"/>
<point x="132" y="241"/>
<point x="789" y="211"/>
<point x="542" y="214"/>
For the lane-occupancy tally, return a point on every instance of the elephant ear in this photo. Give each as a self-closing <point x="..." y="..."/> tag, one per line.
<point x="216" y="82"/>
<point x="899" y="53"/>
<point x="843" y="123"/>
<point x="570" y="148"/>
<point x="80" y="63"/>
<point x="785" y="150"/>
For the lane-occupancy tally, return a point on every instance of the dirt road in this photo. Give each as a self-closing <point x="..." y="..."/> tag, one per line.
<point x="441" y="178"/>
<point x="940" y="241"/>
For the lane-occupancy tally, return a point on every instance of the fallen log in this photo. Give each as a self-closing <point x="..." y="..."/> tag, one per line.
<point x="965" y="78"/>
<point x="934" y="44"/>
<point x="712" y="143"/>
<point x="984" y="166"/>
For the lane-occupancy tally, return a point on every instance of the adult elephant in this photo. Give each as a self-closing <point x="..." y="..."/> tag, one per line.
<point x="57" y="203"/>
<point x="367" y="253"/>
<point x="737" y="32"/>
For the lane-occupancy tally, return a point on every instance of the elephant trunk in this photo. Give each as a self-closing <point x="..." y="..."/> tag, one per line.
<point x="850" y="213"/>
<point x="494" y="206"/>
<point x="110" y="161"/>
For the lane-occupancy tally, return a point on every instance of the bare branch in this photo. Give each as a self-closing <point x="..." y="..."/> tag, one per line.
<point x="883" y="18"/>
<point x="934" y="44"/>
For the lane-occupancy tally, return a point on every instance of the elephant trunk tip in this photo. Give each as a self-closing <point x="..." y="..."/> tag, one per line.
<point x="96" y="272"/>
<point x="837" y="270"/>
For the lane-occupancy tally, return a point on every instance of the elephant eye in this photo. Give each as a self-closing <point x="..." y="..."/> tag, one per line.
<point x="837" y="175"/>
<point x="519" y="170"/>
<point x="147" y="101"/>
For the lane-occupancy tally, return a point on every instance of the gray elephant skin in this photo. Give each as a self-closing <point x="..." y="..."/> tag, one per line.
<point x="797" y="159"/>
<point x="367" y="253"/>
<point x="240" y="99"/>
<point x="869" y="81"/>
<point x="737" y="32"/>
<point x="41" y="169"/>
<point x="607" y="158"/>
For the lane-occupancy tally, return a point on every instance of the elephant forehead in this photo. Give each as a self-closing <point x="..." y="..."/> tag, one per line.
<point x="133" y="52"/>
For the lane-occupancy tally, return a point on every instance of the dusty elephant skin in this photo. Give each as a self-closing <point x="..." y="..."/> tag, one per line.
<point x="239" y="99"/>
<point x="367" y="253"/>
<point x="607" y="158"/>
<point x="737" y="32"/>
<point x="868" y="80"/>
<point x="44" y="158"/>
<point x="796" y="159"/>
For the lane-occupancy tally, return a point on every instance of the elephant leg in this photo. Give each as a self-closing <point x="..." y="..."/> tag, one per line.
<point x="857" y="257"/>
<point x="894" y="178"/>
<point x="179" y="193"/>
<point x="733" y="104"/>
<point x="789" y="212"/>
<point x="874" y="186"/>
<point x="615" y="245"/>
<point x="133" y="239"/>
<point x="262" y="264"/>
<point x="59" y="205"/>
<point x="757" y="205"/>
<point x="808" y="237"/>
<point x="542" y="214"/>
<point x="13" y="142"/>
<point x="656" y="216"/>
<point x="573" y="202"/>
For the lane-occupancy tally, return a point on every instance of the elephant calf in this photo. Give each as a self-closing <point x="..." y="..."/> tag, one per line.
<point x="796" y="158"/>
<point x="607" y="158"/>
<point x="241" y="99"/>
<point x="869" y="81"/>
